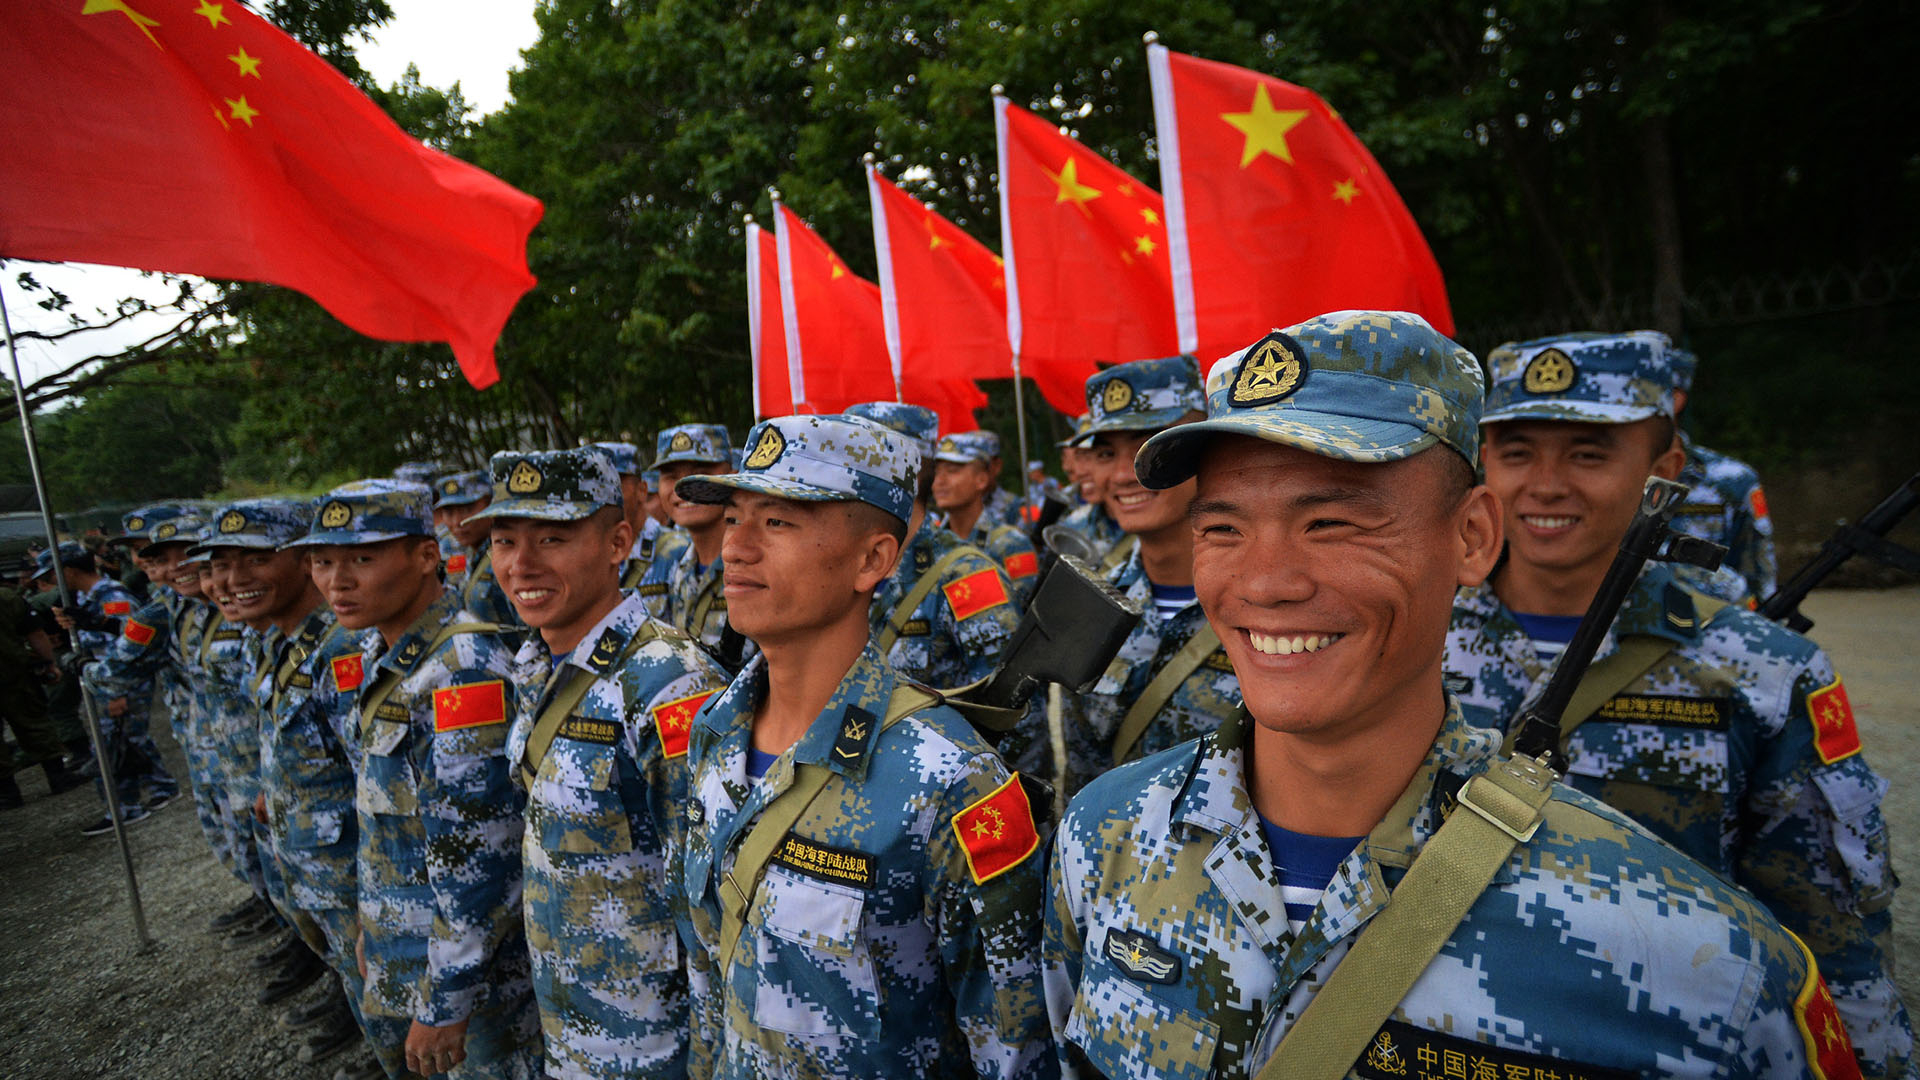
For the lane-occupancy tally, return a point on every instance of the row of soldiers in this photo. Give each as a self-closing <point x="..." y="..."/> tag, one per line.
<point x="574" y="792"/>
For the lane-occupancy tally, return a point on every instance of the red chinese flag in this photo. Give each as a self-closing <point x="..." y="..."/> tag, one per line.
<point x="975" y="593"/>
<point x="193" y="136"/>
<point x="766" y="326"/>
<point x="348" y="672"/>
<point x="1829" y="1049"/>
<point x="117" y="607"/>
<point x="470" y="705"/>
<point x="1088" y="277"/>
<point x="674" y="721"/>
<point x="997" y="831"/>
<point x="137" y="632"/>
<point x="1835" y="736"/>
<point x="1275" y="211"/>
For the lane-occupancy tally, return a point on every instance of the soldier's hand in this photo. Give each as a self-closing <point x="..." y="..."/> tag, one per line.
<point x="360" y="952"/>
<point x="260" y="808"/>
<point x="117" y="707"/>
<point x="432" y="1050"/>
<point x="65" y="620"/>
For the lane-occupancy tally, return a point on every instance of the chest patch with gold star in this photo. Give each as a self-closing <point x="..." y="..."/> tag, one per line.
<point x="1140" y="957"/>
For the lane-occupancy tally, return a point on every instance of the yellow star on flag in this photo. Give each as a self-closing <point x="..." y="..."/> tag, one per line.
<point x="1265" y="127"/>
<point x="933" y="238"/>
<point x="248" y="65"/>
<point x="1144" y="245"/>
<point x="213" y="13"/>
<point x="140" y="22"/>
<point x="1147" y="215"/>
<point x="1345" y="190"/>
<point x="1069" y="188"/>
<point x="838" y="271"/>
<point x="242" y="111"/>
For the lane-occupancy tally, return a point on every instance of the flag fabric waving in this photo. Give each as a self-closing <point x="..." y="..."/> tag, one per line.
<point x="767" y="327"/>
<point x="944" y="295"/>
<point x="1275" y="211"/>
<point x="192" y="136"/>
<point x="1088" y="276"/>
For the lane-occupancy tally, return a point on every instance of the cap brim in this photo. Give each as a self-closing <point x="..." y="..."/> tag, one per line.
<point x="697" y="460"/>
<point x="457" y="500"/>
<point x="1577" y="412"/>
<point x="713" y="490"/>
<point x="255" y="543"/>
<point x="1173" y="456"/>
<point x="958" y="459"/>
<point x="350" y="539"/>
<point x="1140" y="421"/>
<point x="534" y="509"/>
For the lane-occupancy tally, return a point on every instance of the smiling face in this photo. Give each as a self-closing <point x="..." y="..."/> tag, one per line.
<point x="794" y="569"/>
<point x="689" y="515"/>
<point x="469" y="535"/>
<point x="562" y="576"/>
<point x="1330" y="583"/>
<point x="375" y="584"/>
<point x="161" y="564"/>
<point x="1133" y="506"/>
<point x="1570" y="490"/>
<point x="263" y="585"/>
<point x="958" y="485"/>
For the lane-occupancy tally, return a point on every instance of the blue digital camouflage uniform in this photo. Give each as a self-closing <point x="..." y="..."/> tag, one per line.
<point x="1716" y="747"/>
<point x="481" y="592"/>
<point x="657" y="546"/>
<point x="1716" y="750"/>
<point x="1008" y="544"/>
<point x="230" y="742"/>
<point x="1724" y="503"/>
<point x="1168" y="952"/>
<point x="893" y="931"/>
<point x="935" y="645"/>
<point x="1092" y="521"/>
<point x="692" y="602"/>
<point x="462" y="489"/>
<point x="440" y="830"/>
<point x="186" y="648"/>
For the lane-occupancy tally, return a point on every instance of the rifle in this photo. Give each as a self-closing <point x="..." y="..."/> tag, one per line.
<point x="1648" y="539"/>
<point x="1866" y="537"/>
<point x="1052" y="509"/>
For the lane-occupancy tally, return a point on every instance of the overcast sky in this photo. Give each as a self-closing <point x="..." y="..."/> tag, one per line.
<point x="472" y="42"/>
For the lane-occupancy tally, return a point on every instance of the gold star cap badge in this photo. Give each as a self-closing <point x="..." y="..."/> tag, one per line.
<point x="335" y="515"/>
<point x="524" y="479"/>
<point x="680" y="443"/>
<point x="1116" y="395"/>
<point x="767" y="449"/>
<point x="232" y="521"/>
<point x="1552" y="371"/>
<point x="1272" y="370"/>
<point x="136" y="524"/>
<point x="165" y="532"/>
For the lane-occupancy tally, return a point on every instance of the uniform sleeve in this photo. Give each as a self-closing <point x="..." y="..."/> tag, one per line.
<point x="705" y="1029"/>
<point x="980" y="625"/>
<point x="659" y="732"/>
<point x="987" y="920"/>
<point x="134" y="655"/>
<point x="1061" y="945"/>
<point x="473" y="818"/>
<point x="1816" y="854"/>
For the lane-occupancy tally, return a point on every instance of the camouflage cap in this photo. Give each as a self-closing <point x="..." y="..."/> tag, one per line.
<point x="1082" y="430"/>
<point x="1144" y="395"/>
<point x="461" y="489"/>
<point x="162" y="523"/>
<point x="821" y="459"/>
<point x="706" y="443"/>
<point x="651" y="478"/>
<point x="1353" y="385"/>
<point x="1685" y="366"/>
<point x="369" y="511"/>
<point x="736" y="458"/>
<point x="416" y="472"/>
<point x="1583" y="378"/>
<point x="264" y="524"/>
<point x="965" y="447"/>
<point x="70" y="552"/>
<point x="916" y="422"/>
<point x="626" y="457"/>
<point x="553" y="485"/>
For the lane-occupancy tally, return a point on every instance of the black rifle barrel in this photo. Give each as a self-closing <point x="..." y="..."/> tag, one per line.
<point x="1784" y="605"/>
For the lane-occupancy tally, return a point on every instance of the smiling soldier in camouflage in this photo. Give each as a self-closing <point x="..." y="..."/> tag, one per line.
<point x="1201" y="901"/>
<point x="606" y="697"/>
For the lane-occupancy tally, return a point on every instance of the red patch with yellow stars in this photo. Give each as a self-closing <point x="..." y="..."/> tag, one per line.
<point x="1758" y="501"/>
<point x="470" y="705"/>
<point x="1829" y="1050"/>
<point x="117" y="607"/>
<point x="457" y="564"/>
<point x="1834" y="734"/>
<point x="975" y="593"/>
<point x="1022" y="564"/>
<point x="997" y="832"/>
<point x="675" y="721"/>
<point x="137" y="632"/>
<point x="348" y="673"/>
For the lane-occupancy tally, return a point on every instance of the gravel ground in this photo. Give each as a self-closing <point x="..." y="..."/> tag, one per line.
<point x="78" y="998"/>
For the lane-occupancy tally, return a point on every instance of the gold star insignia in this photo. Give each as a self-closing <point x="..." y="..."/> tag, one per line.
<point x="1147" y="215"/>
<point x="213" y="13"/>
<point x="838" y="271"/>
<point x="1265" y="128"/>
<point x="1069" y="188"/>
<point x="248" y="65"/>
<point x="140" y="22"/>
<point x="242" y="111"/>
<point x="1345" y="190"/>
<point x="981" y="828"/>
<point x="934" y="243"/>
<point x="1830" y="1033"/>
<point x="1144" y="245"/>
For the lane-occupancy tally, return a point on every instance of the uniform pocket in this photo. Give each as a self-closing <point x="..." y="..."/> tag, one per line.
<point x="388" y="784"/>
<point x="1121" y="1029"/>
<point x="1853" y="793"/>
<point x="814" y="975"/>
<point x="576" y="805"/>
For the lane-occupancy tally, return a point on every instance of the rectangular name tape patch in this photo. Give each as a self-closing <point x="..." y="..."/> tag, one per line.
<point x="1669" y="709"/>
<point x="822" y="862"/>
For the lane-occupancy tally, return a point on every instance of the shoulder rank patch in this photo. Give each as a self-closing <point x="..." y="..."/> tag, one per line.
<point x="589" y="730"/>
<point x="117" y="607"/>
<point x="1757" y="502"/>
<point x="1401" y="1051"/>
<point x="840" y="866"/>
<point x="1140" y="957"/>
<point x="675" y="721"/>
<point x="997" y="832"/>
<point x="457" y="564"/>
<point x="1829" y="1050"/>
<point x="606" y="651"/>
<point x="1834" y="735"/>
<point x="348" y="672"/>
<point x="653" y="588"/>
<point x="1670" y="710"/>
<point x="137" y="632"/>
<point x="1022" y="564"/>
<point x="855" y="730"/>
<point x="975" y="593"/>
<point x="392" y="710"/>
<point x="470" y="705"/>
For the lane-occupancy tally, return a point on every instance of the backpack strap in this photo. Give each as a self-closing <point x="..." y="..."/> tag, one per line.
<point x="903" y="611"/>
<point x="573" y="687"/>
<point x="1202" y="644"/>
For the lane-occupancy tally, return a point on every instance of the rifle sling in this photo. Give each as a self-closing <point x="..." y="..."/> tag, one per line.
<point x="903" y="611"/>
<point x="389" y="680"/>
<point x="1202" y="644"/>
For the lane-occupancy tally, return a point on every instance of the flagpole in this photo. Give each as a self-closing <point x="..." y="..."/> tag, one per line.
<point x="66" y="602"/>
<point x="1011" y="276"/>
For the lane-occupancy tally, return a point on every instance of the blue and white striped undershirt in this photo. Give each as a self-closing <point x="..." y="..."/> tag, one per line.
<point x="1549" y="634"/>
<point x="1305" y="865"/>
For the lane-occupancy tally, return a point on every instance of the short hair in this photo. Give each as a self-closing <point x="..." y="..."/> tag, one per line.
<point x="1458" y="476"/>
<point x="870" y="518"/>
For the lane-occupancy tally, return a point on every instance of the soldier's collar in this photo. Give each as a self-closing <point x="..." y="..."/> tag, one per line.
<point x="600" y="648"/>
<point x="412" y="646"/>
<point x="843" y="735"/>
<point x="1460" y="750"/>
<point x="1658" y="607"/>
<point x="1222" y="802"/>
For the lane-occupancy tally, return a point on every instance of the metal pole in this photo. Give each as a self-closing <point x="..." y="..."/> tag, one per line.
<point x="66" y="601"/>
<point x="1020" y="416"/>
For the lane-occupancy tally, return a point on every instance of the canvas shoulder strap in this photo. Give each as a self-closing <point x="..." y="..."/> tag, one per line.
<point x="1120" y="552"/>
<point x="910" y="603"/>
<point x="702" y="607"/>
<point x="1497" y="812"/>
<point x="763" y="838"/>
<point x="389" y="679"/>
<point x="578" y="681"/>
<point x="1201" y="645"/>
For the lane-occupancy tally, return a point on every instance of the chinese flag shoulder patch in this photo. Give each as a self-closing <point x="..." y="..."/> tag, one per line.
<point x="997" y="832"/>
<point x="117" y="607"/>
<point x="470" y="705"/>
<point x="1757" y="500"/>
<point x="457" y="564"/>
<point x="137" y="632"/>
<point x="975" y="593"/>
<point x="1834" y="735"/>
<point x="1022" y="564"/>
<point x="348" y="672"/>
<point x="674" y="720"/>
<point x="1829" y="1050"/>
